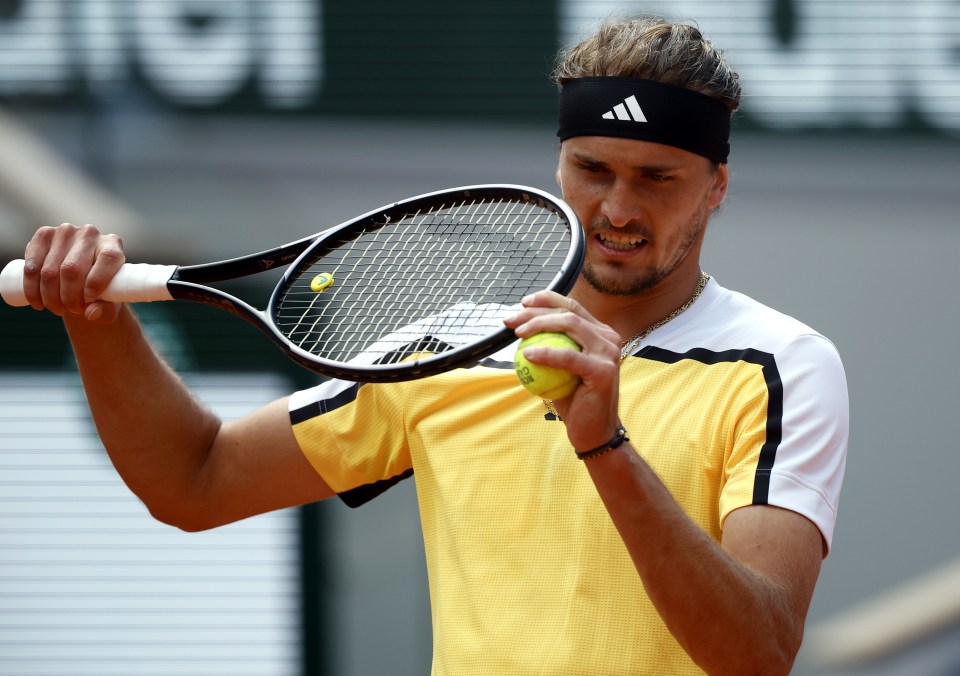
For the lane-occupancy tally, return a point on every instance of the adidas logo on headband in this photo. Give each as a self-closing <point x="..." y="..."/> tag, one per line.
<point x="630" y="111"/>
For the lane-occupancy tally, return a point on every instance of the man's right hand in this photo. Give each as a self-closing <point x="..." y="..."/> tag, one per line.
<point x="68" y="267"/>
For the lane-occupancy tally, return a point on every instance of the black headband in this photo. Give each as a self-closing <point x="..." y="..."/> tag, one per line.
<point x="646" y="110"/>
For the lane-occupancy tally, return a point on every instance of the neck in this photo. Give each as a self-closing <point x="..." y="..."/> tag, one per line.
<point x="630" y="315"/>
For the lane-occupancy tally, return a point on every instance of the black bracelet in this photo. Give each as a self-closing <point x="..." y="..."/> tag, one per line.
<point x="618" y="439"/>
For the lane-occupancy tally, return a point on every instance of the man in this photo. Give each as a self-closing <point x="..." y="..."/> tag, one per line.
<point x="669" y="517"/>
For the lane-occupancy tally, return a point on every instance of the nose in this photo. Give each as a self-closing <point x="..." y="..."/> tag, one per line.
<point x="621" y="205"/>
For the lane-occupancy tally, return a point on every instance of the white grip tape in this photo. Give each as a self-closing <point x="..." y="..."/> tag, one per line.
<point x="133" y="283"/>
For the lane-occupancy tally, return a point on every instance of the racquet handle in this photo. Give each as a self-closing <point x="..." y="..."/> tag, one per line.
<point x="133" y="283"/>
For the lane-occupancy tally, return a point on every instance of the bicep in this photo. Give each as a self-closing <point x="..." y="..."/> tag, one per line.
<point x="255" y="466"/>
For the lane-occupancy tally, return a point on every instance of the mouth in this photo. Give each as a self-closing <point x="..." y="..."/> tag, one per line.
<point x="624" y="243"/>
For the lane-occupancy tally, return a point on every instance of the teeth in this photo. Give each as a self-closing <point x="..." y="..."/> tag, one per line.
<point x="622" y="244"/>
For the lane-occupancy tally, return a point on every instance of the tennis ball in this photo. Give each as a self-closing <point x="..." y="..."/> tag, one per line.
<point x="545" y="381"/>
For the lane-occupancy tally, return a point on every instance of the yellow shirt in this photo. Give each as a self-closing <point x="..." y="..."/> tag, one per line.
<point x="527" y="573"/>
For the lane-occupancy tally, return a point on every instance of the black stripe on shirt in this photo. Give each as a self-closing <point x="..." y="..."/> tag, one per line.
<point x="771" y="376"/>
<point x="312" y="410"/>
<point x="353" y="497"/>
<point x="768" y="452"/>
<point x="367" y="492"/>
<point x="315" y="408"/>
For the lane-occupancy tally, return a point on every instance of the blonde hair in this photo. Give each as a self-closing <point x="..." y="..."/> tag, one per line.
<point x="652" y="48"/>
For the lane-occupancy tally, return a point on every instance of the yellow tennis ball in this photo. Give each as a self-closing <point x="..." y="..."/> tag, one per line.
<point x="545" y="381"/>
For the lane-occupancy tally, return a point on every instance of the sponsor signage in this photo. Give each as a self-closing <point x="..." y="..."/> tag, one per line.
<point x="804" y="63"/>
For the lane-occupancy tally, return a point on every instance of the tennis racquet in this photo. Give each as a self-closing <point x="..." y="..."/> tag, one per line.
<point x="406" y="291"/>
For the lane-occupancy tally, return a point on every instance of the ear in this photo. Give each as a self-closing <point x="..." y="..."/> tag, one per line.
<point x="718" y="191"/>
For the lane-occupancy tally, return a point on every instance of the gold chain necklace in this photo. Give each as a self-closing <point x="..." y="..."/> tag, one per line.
<point x="631" y="343"/>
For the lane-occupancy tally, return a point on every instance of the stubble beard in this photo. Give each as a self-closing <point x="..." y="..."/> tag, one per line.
<point x="615" y="282"/>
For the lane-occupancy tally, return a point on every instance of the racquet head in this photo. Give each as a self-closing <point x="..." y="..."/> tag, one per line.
<point x="423" y="285"/>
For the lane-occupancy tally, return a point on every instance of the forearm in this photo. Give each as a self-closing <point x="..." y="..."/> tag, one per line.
<point x="728" y="617"/>
<point x="156" y="433"/>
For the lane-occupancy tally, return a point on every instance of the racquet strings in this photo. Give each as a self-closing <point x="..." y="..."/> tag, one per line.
<point x="426" y="282"/>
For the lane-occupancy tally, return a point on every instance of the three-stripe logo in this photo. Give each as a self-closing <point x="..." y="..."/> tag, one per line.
<point x="628" y="110"/>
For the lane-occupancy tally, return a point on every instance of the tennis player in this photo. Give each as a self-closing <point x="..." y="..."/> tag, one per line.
<point x="669" y="517"/>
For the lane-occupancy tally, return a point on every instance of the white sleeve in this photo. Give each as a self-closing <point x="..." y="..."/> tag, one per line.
<point x="810" y="461"/>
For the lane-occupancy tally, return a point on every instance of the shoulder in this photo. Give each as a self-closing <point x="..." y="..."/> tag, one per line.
<point x="724" y="319"/>
<point x="726" y="326"/>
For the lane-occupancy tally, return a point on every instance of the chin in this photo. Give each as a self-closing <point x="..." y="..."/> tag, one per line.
<point x="616" y="282"/>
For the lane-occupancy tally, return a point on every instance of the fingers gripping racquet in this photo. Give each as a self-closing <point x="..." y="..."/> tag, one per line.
<point x="133" y="283"/>
<point x="405" y="291"/>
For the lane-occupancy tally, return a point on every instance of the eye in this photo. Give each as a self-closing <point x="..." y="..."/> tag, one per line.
<point x="590" y="167"/>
